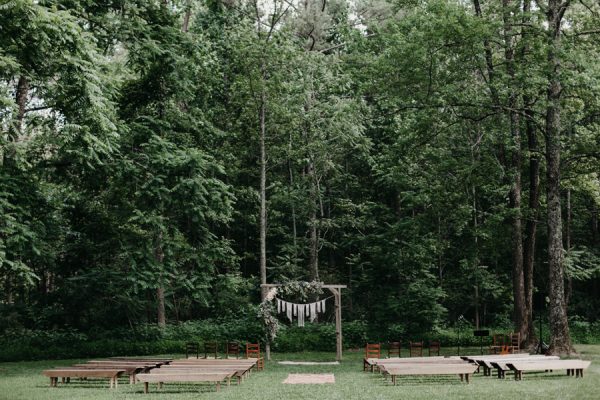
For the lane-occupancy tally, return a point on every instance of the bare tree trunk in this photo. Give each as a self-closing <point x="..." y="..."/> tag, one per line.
<point x="560" y="341"/>
<point x="263" y="195"/>
<point x="160" y="297"/>
<point x="21" y="99"/>
<point x="186" y="18"/>
<point x="569" y="290"/>
<point x="313" y="226"/>
<point x="159" y="256"/>
<point x="531" y="225"/>
<point x="519" y="310"/>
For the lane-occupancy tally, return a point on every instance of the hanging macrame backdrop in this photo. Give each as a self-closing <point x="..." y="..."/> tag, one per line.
<point x="301" y="311"/>
<point x="269" y="290"/>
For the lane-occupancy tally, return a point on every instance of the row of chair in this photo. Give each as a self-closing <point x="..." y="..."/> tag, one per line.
<point x="506" y="343"/>
<point x="394" y="349"/>
<point x="232" y="350"/>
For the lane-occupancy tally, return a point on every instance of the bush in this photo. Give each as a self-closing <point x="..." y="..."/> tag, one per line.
<point x="149" y="339"/>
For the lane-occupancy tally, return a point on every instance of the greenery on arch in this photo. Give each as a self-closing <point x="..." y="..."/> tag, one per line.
<point x="298" y="290"/>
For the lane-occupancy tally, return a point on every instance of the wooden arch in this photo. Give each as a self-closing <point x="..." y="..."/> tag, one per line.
<point x="336" y="290"/>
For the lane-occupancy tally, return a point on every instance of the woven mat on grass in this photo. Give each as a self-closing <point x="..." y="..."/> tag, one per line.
<point x="310" y="379"/>
<point x="308" y="363"/>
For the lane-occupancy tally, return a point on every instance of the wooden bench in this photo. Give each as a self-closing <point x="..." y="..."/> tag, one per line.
<point x="157" y="360"/>
<point x="242" y="370"/>
<point x="130" y="370"/>
<point x="67" y="373"/>
<point x="372" y="363"/>
<point x="502" y="365"/>
<point x="463" y="370"/>
<point x="160" y="378"/>
<point x="573" y="367"/>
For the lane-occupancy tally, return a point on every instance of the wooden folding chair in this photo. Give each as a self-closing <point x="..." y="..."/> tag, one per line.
<point x="253" y="351"/>
<point x="497" y="343"/>
<point x="191" y="348"/>
<point x="233" y="349"/>
<point x="434" y="347"/>
<point x="416" y="349"/>
<point x="372" y="350"/>
<point x="394" y="349"/>
<point x="211" y="349"/>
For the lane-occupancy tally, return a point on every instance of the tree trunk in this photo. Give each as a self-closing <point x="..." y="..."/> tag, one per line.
<point x="569" y="290"/>
<point x="313" y="226"/>
<point x="159" y="256"/>
<point x="263" y="196"/>
<point x="531" y="225"/>
<point x="519" y="310"/>
<point x="160" y="297"/>
<point x="186" y="18"/>
<point x="21" y="99"/>
<point x="560" y="341"/>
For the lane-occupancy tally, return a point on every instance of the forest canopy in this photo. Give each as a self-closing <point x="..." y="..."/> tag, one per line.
<point x="159" y="160"/>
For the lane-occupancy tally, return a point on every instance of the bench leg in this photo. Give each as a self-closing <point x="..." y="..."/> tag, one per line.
<point x="110" y="383"/>
<point x="116" y="381"/>
<point x="467" y="377"/>
<point x="68" y="379"/>
<point x="218" y="386"/>
<point x="159" y="385"/>
<point x="145" y="387"/>
<point x="462" y="377"/>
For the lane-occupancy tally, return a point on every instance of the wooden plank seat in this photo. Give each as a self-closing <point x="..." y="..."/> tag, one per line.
<point x="142" y="359"/>
<point x="215" y="377"/>
<point x="243" y="369"/>
<point x="463" y="370"/>
<point x="573" y="367"/>
<point x="130" y="370"/>
<point x="501" y="366"/>
<point x="486" y="362"/>
<point x="240" y="372"/>
<point x="71" y="372"/>
<point x="372" y="363"/>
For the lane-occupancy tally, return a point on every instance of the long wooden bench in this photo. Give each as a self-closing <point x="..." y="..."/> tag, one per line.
<point x="501" y="366"/>
<point x="489" y="363"/>
<point x="130" y="370"/>
<point x="372" y="363"/>
<point x="573" y="367"/>
<point x="463" y="370"/>
<point x="241" y="371"/>
<point x="160" y="378"/>
<point x="66" y="373"/>
<point x="142" y="359"/>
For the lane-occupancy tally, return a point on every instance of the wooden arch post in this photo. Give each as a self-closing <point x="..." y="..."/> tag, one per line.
<point x="336" y="290"/>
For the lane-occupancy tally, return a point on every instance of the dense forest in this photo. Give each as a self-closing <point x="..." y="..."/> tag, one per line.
<point x="159" y="160"/>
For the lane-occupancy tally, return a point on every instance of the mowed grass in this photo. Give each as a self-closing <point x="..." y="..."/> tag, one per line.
<point x="24" y="381"/>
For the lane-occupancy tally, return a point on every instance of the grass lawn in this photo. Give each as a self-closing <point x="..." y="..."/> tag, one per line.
<point x="24" y="381"/>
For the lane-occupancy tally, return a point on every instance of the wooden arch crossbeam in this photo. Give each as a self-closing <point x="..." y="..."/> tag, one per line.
<point x="336" y="290"/>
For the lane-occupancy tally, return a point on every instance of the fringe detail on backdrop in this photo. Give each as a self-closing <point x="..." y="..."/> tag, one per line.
<point x="301" y="311"/>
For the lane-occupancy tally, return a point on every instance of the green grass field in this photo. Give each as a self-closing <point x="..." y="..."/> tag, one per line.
<point x="24" y="381"/>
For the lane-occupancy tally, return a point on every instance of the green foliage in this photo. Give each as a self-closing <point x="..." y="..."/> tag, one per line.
<point x="129" y="146"/>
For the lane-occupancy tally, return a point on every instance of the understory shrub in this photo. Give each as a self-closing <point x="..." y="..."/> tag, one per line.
<point x="149" y="339"/>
